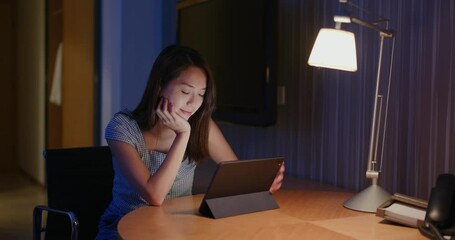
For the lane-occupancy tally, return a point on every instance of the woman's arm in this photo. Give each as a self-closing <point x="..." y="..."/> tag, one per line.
<point x="153" y="188"/>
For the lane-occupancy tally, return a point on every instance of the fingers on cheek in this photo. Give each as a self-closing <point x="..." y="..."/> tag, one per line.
<point x="169" y="107"/>
<point x="159" y="108"/>
<point x="160" y="115"/>
<point x="160" y="112"/>
<point x="163" y="105"/>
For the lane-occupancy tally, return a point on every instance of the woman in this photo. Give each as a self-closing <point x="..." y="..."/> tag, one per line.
<point x="157" y="146"/>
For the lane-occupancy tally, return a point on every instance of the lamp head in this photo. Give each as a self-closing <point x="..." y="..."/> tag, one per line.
<point x="334" y="48"/>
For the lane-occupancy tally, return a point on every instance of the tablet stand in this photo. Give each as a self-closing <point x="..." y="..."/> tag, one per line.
<point x="237" y="204"/>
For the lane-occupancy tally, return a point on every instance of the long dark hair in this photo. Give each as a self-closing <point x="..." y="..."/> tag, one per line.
<point x="171" y="62"/>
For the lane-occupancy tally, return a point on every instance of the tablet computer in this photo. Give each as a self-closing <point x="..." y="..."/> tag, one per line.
<point x="241" y="186"/>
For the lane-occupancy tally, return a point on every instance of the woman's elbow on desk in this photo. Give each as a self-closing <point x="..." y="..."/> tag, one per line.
<point x="154" y="200"/>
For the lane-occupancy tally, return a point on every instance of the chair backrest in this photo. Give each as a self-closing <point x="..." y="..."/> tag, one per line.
<point x="78" y="180"/>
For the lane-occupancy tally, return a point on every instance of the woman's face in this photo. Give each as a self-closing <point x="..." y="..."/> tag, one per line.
<point x="186" y="93"/>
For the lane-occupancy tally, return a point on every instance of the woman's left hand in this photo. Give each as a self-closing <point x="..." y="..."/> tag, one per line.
<point x="278" y="180"/>
<point x="170" y="118"/>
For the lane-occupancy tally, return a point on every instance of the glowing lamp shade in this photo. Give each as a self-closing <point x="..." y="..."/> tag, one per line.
<point x="334" y="49"/>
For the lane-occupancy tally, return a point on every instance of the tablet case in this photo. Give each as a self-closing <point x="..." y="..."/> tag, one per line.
<point x="240" y="187"/>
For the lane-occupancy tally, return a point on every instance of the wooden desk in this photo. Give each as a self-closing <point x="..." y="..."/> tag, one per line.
<point x="303" y="214"/>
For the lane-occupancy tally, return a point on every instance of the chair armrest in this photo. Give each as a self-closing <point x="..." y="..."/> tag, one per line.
<point x="37" y="221"/>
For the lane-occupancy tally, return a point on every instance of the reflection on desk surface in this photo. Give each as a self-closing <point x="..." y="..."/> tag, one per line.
<point x="305" y="213"/>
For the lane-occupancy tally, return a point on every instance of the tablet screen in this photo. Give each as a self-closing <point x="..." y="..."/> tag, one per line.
<point x="243" y="176"/>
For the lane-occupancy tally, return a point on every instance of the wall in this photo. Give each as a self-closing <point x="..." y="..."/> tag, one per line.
<point x="78" y="74"/>
<point x="30" y="87"/>
<point x="111" y="60"/>
<point x="8" y="90"/>
<point x="132" y="37"/>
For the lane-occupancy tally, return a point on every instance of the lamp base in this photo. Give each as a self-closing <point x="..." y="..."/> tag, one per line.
<point x="368" y="200"/>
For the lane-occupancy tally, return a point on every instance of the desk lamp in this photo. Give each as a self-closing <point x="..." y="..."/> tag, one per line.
<point x="335" y="49"/>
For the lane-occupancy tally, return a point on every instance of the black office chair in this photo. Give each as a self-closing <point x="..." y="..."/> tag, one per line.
<point x="79" y="189"/>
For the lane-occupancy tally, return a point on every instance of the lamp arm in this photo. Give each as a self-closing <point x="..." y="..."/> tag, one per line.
<point x="382" y="31"/>
<point x="371" y="171"/>
<point x="344" y="17"/>
<point x="376" y="130"/>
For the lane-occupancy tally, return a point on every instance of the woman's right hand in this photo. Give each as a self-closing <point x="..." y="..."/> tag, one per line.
<point x="170" y="118"/>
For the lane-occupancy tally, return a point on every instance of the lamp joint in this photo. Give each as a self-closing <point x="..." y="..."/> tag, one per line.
<point x="372" y="174"/>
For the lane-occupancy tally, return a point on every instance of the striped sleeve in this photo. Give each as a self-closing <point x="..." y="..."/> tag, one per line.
<point x="123" y="128"/>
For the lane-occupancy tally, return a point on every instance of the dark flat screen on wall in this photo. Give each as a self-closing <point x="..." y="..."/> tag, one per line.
<point x="237" y="38"/>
